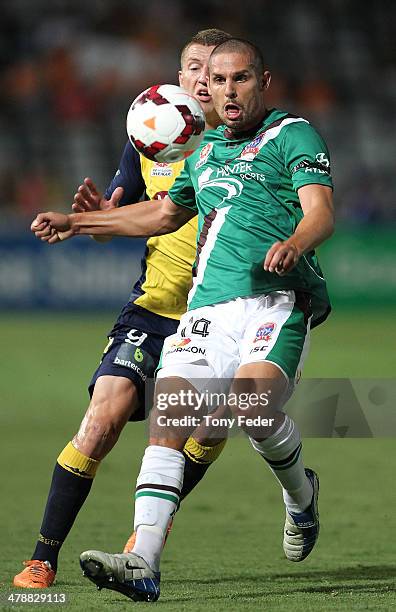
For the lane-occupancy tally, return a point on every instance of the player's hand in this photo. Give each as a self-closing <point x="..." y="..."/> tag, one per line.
<point x="89" y="198"/>
<point x="281" y="257"/>
<point x="52" y="227"/>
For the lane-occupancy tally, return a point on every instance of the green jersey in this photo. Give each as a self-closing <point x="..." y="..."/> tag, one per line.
<point x="245" y="192"/>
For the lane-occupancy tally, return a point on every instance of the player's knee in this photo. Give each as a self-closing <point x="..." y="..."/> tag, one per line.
<point x="104" y="428"/>
<point x="252" y="405"/>
<point x="97" y="437"/>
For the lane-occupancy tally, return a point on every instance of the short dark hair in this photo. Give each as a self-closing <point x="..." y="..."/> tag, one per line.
<point x="207" y="38"/>
<point x="238" y="45"/>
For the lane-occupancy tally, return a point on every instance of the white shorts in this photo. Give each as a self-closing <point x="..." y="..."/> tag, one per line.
<point x="213" y="341"/>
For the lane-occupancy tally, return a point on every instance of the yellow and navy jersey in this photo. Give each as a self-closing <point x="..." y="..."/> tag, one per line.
<point x="166" y="266"/>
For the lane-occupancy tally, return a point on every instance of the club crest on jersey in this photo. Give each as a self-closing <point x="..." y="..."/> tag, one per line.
<point x="204" y="154"/>
<point x="265" y="332"/>
<point x="250" y="151"/>
<point x="161" y="169"/>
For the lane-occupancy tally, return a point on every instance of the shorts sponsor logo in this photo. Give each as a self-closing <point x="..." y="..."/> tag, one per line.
<point x="259" y="349"/>
<point x="204" y="154"/>
<point x="264" y="332"/>
<point x="181" y="342"/>
<point x="161" y="169"/>
<point x="126" y="363"/>
<point x="196" y="350"/>
<point x="138" y="355"/>
<point x="136" y="359"/>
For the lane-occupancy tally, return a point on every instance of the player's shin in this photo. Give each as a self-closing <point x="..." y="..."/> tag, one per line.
<point x="157" y="498"/>
<point x="282" y="452"/>
<point x="198" y="458"/>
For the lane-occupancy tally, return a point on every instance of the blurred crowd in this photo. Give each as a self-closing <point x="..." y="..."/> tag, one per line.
<point x="70" y="69"/>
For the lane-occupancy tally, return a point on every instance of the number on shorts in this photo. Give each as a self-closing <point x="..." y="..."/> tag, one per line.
<point x="200" y="327"/>
<point x="135" y="337"/>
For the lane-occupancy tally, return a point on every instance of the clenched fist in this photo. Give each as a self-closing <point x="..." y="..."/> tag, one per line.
<point x="52" y="227"/>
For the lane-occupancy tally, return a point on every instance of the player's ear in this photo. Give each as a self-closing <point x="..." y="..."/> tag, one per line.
<point x="180" y="73"/>
<point x="266" y="79"/>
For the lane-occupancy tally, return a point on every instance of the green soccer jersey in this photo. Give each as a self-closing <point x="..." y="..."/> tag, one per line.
<point x="245" y="192"/>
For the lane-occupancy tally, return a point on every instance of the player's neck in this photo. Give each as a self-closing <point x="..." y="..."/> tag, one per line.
<point x="234" y="134"/>
<point x="212" y="121"/>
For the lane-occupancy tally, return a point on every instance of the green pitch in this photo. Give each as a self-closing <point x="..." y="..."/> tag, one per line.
<point x="225" y="551"/>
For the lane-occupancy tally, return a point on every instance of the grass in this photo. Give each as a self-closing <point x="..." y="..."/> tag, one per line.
<point x="224" y="552"/>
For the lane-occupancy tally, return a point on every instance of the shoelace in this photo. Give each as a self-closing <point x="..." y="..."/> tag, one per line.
<point x="38" y="568"/>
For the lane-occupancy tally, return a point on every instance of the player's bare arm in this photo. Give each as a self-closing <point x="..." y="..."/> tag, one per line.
<point x="314" y="228"/>
<point x="149" y="218"/>
<point x="48" y="226"/>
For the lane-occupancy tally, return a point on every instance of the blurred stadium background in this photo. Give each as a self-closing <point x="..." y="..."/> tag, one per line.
<point x="68" y="72"/>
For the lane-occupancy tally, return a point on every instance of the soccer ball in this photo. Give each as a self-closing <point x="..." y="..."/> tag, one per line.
<point x="165" y="123"/>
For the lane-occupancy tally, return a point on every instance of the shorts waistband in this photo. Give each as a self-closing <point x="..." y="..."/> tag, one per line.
<point x="279" y="297"/>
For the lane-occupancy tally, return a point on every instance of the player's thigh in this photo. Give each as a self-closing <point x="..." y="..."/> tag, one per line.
<point x="114" y="398"/>
<point x="258" y="395"/>
<point x="176" y="412"/>
<point x="133" y="353"/>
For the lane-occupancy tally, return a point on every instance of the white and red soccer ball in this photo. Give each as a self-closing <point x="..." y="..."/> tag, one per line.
<point x="165" y="123"/>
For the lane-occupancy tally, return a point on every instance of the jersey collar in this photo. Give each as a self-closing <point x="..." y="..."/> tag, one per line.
<point x="229" y="134"/>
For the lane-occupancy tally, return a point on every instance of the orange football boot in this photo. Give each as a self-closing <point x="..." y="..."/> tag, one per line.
<point x="130" y="543"/>
<point x="132" y="539"/>
<point x="36" y="575"/>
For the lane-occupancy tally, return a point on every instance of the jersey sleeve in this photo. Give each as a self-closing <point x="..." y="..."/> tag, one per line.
<point x="129" y="176"/>
<point x="182" y="191"/>
<point x="306" y="156"/>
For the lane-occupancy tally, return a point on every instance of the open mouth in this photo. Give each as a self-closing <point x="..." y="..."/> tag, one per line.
<point x="203" y="95"/>
<point x="232" y="111"/>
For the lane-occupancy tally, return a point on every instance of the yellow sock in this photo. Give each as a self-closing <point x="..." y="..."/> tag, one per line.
<point x="202" y="454"/>
<point x="72" y="460"/>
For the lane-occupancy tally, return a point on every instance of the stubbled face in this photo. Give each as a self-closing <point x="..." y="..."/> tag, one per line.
<point x="237" y="91"/>
<point x="193" y="75"/>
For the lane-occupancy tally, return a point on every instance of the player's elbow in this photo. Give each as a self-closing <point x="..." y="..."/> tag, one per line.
<point x="163" y="224"/>
<point x="101" y="239"/>
<point x="172" y="217"/>
<point x="325" y="215"/>
<point x="171" y="224"/>
<point x="330" y="222"/>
